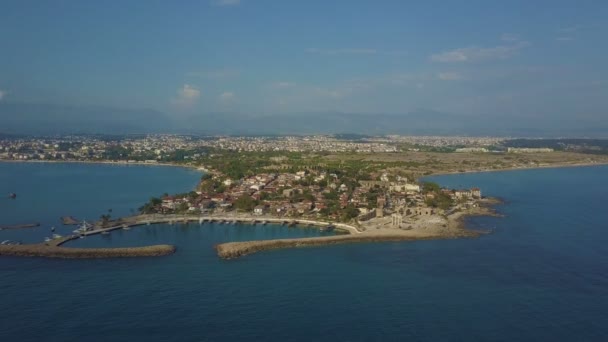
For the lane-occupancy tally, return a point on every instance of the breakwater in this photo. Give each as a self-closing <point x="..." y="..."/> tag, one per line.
<point x="40" y="250"/>
<point x="21" y="226"/>
<point x="232" y="250"/>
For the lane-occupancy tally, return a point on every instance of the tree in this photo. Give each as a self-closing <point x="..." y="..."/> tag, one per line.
<point x="350" y="212"/>
<point x="430" y="187"/>
<point x="245" y="203"/>
<point x="105" y="219"/>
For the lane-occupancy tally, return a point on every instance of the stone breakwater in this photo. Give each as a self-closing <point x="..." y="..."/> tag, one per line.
<point x="232" y="250"/>
<point x="40" y="250"/>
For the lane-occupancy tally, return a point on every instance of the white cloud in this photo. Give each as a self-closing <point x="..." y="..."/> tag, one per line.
<point x="509" y="37"/>
<point x="570" y="29"/>
<point x="283" y="84"/>
<point x="187" y="96"/>
<point x="449" y="76"/>
<point x="214" y="74"/>
<point x="227" y="2"/>
<point x="353" y="51"/>
<point x="342" y="51"/>
<point x="564" y="39"/>
<point x="475" y="53"/>
<point x="2" y="94"/>
<point x="227" y="96"/>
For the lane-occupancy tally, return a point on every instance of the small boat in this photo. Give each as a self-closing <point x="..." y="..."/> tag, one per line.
<point x="5" y="242"/>
<point x="264" y="223"/>
<point x="84" y="227"/>
<point x="105" y="232"/>
<point x="126" y="227"/>
<point x="53" y="229"/>
<point x="12" y="195"/>
<point x="47" y="239"/>
<point x="327" y="229"/>
<point x="57" y="236"/>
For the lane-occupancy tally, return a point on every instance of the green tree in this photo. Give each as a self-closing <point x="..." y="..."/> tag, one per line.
<point x="245" y="203"/>
<point x="430" y="187"/>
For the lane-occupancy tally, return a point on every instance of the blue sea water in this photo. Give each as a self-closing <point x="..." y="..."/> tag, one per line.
<point x="542" y="275"/>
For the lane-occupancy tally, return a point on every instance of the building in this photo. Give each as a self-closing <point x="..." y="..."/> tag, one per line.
<point x="528" y="150"/>
<point x="259" y="210"/>
<point x="396" y="220"/>
<point x="476" y="192"/>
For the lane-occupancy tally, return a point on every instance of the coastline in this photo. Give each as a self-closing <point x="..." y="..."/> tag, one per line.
<point x="202" y="169"/>
<point x="104" y="162"/>
<point x="456" y="226"/>
<point x="537" y="167"/>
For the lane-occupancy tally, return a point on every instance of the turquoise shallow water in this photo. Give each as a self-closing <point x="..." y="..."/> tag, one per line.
<point x="541" y="275"/>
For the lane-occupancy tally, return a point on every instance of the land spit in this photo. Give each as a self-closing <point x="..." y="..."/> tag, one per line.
<point x="41" y="250"/>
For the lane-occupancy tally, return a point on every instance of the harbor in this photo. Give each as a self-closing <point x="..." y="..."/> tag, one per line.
<point x="53" y="247"/>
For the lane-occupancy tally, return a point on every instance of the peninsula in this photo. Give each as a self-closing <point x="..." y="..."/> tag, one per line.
<point x="370" y="188"/>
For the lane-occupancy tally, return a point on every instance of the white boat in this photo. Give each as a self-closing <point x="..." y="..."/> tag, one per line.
<point x="105" y="232"/>
<point x="57" y="236"/>
<point x="47" y="239"/>
<point x="84" y="227"/>
<point x="5" y="242"/>
<point x="126" y="227"/>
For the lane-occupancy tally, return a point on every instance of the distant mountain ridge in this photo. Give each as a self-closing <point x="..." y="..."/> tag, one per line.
<point x="39" y="118"/>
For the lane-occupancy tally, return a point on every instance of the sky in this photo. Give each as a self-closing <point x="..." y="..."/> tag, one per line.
<point x="510" y="60"/>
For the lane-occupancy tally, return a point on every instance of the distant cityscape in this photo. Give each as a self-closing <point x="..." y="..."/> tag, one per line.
<point x="179" y="148"/>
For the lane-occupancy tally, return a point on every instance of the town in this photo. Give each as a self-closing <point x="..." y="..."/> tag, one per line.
<point x="180" y="148"/>
<point x="379" y="200"/>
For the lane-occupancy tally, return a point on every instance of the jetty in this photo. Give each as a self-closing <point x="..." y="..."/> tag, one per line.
<point x="20" y="226"/>
<point x="51" y="251"/>
<point x="232" y="250"/>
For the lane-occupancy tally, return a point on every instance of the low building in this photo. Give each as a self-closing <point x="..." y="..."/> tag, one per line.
<point x="259" y="210"/>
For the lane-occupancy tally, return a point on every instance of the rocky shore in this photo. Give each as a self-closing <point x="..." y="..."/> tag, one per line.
<point x="40" y="250"/>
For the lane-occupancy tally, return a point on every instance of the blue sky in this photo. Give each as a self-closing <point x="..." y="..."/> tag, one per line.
<point x="544" y="59"/>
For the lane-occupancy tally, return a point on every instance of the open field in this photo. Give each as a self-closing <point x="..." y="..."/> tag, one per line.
<point x="425" y="163"/>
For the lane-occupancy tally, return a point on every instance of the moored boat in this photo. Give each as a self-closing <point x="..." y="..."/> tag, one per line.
<point x="84" y="227"/>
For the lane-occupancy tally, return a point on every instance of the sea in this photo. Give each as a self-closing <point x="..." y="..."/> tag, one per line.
<point x="541" y="274"/>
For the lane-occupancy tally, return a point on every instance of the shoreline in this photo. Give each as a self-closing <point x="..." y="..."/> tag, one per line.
<point x="456" y="228"/>
<point x="230" y="250"/>
<point x="202" y="169"/>
<point x="104" y="162"/>
<point x="538" y="167"/>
